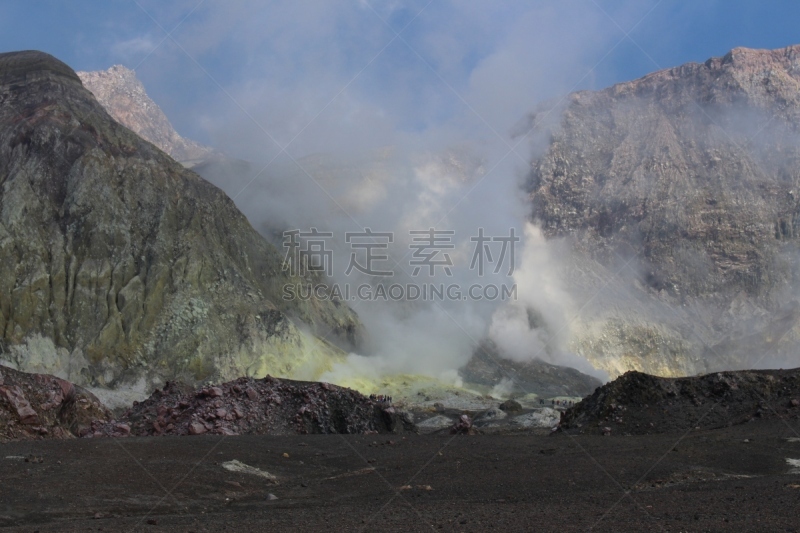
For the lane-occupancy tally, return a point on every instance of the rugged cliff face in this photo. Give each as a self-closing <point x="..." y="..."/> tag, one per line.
<point x="692" y="175"/>
<point x="120" y="267"/>
<point x="122" y="95"/>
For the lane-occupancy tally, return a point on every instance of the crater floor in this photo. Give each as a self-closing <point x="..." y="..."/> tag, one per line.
<point x="732" y="479"/>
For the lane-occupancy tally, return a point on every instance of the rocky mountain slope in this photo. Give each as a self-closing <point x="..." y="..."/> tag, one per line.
<point x="122" y="95"/>
<point x="679" y="193"/>
<point x="119" y="268"/>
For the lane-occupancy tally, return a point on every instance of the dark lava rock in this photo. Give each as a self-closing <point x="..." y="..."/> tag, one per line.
<point x="268" y="406"/>
<point x="488" y="367"/>
<point x="510" y="406"/>
<point x="637" y="403"/>
<point x="39" y="406"/>
<point x="463" y="426"/>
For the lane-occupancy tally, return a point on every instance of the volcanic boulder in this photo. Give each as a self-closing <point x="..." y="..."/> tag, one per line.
<point x="38" y="406"/>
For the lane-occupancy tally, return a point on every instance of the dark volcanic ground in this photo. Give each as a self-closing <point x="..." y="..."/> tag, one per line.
<point x="729" y="479"/>
<point x="637" y="403"/>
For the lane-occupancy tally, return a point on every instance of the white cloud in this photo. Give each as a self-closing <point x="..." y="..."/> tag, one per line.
<point x="134" y="48"/>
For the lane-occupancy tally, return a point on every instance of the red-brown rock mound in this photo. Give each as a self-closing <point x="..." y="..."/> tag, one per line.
<point x="39" y="406"/>
<point x="256" y="406"/>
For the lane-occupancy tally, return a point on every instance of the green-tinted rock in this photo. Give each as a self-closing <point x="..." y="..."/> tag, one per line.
<point x="124" y="266"/>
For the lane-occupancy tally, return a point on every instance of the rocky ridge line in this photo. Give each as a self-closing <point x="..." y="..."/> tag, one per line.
<point x="121" y="93"/>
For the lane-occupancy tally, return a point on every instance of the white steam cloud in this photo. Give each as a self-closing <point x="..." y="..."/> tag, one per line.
<point x="396" y="117"/>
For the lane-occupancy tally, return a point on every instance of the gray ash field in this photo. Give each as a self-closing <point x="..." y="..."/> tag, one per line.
<point x="731" y="479"/>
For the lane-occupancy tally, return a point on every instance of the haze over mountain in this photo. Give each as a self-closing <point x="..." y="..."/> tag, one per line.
<point x="122" y="269"/>
<point x="283" y="196"/>
<point x="668" y="204"/>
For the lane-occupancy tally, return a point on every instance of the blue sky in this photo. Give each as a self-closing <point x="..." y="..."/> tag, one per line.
<point x="458" y="66"/>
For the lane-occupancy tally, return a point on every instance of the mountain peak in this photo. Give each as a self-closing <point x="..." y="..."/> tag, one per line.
<point x="123" y="96"/>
